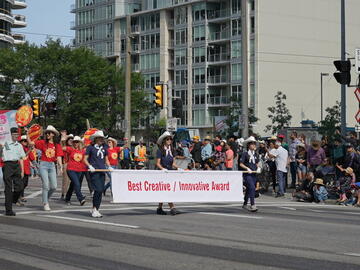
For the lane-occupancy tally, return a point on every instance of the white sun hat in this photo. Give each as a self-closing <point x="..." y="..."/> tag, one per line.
<point x="249" y="140"/>
<point x="163" y="136"/>
<point x="52" y="129"/>
<point x="77" y="139"/>
<point x="97" y="134"/>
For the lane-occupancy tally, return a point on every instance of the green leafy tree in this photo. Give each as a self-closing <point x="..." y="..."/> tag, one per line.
<point x="279" y="114"/>
<point x="331" y="123"/>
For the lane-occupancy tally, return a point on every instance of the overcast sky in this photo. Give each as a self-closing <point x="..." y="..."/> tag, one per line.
<point x="47" y="18"/>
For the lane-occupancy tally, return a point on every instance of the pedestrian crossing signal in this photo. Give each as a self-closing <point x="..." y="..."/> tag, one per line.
<point x="36" y="107"/>
<point x="159" y="101"/>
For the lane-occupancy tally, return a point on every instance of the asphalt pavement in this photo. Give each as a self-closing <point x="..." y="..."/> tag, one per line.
<point x="283" y="235"/>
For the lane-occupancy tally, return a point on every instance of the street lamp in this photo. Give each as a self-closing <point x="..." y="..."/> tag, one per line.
<point x="321" y="93"/>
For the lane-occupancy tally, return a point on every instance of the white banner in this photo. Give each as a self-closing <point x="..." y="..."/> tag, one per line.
<point x="145" y="186"/>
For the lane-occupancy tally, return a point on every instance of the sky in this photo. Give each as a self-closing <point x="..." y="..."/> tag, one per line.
<point x="47" y="18"/>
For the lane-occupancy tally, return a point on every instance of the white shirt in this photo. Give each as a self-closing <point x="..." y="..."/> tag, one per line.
<point x="281" y="158"/>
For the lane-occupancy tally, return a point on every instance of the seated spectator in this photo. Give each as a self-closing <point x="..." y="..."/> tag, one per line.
<point x="357" y="193"/>
<point x="343" y="184"/>
<point x="320" y="192"/>
<point x="304" y="193"/>
<point x="325" y="169"/>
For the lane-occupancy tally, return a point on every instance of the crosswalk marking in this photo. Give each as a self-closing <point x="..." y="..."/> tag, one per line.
<point x="229" y="215"/>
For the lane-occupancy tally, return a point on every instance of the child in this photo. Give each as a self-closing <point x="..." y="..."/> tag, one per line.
<point x="320" y="192"/>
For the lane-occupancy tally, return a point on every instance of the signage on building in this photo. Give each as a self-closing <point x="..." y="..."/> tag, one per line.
<point x="171" y="124"/>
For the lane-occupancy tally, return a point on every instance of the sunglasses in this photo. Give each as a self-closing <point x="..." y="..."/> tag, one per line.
<point x="169" y="139"/>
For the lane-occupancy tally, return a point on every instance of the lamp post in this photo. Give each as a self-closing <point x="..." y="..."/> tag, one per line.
<point x="321" y="93"/>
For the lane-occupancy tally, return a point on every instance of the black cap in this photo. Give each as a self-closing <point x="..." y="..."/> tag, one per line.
<point x="14" y="130"/>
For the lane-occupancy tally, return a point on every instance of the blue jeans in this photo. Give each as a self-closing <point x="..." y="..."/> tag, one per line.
<point x="320" y="197"/>
<point x="250" y="184"/>
<point x="293" y="170"/>
<point x="76" y="180"/>
<point x="98" y="183"/>
<point x="281" y="180"/>
<point x="108" y="185"/>
<point x="48" y="178"/>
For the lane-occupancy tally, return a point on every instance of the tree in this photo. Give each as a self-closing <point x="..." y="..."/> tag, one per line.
<point x="279" y="114"/>
<point x="331" y="123"/>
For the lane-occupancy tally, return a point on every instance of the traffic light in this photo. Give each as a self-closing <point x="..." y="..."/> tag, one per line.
<point x="159" y="101"/>
<point x="177" y="106"/>
<point x="36" y="107"/>
<point x="343" y="76"/>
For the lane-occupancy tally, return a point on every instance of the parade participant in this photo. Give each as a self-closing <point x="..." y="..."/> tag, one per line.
<point x="66" y="140"/>
<point x="75" y="169"/>
<point x="29" y="157"/>
<point x="196" y="151"/>
<point x="51" y="152"/>
<point x="281" y="160"/>
<point x="125" y="156"/>
<point x="12" y="154"/>
<point x="165" y="161"/>
<point x="249" y="162"/>
<point x="96" y="158"/>
<point x="140" y="152"/>
<point x="113" y="156"/>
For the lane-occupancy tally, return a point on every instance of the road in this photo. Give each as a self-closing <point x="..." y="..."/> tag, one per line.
<point x="282" y="235"/>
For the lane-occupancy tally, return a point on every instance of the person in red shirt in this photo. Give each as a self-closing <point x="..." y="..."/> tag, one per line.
<point x="27" y="171"/>
<point x="51" y="152"/>
<point x="113" y="156"/>
<point x="66" y="140"/>
<point x="75" y="169"/>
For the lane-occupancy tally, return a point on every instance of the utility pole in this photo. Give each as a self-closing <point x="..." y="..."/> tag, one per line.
<point x="321" y="95"/>
<point x="343" y="54"/>
<point x="245" y="67"/>
<point x="128" y="80"/>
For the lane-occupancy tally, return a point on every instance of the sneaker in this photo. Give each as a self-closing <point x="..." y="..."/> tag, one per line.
<point x="62" y="198"/>
<point x="82" y="202"/>
<point x="245" y="206"/>
<point x="174" y="212"/>
<point x="279" y="195"/>
<point x="253" y="208"/>
<point x="68" y="203"/>
<point x="160" y="211"/>
<point x="47" y="207"/>
<point x="23" y="200"/>
<point x="10" y="214"/>
<point x="95" y="213"/>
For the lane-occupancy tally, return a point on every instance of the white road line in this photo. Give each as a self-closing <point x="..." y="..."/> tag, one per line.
<point x="318" y="211"/>
<point x="229" y="215"/>
<point x="352" y="254"/>
<point x="92" y="221"/>
<point x="288" y="208"/>
<point x="33" y="195"/>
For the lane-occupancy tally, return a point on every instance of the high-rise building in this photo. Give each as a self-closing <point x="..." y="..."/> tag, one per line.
<point x="10" y="20"/>
<point x="198" y="48"/>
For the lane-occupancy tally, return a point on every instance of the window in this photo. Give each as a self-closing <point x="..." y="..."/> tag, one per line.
<point x="198" y="96"/>
<point x="252" y="47"/>
<point x="199" y="54"/>
<point x="236" y="72"/>
<point x="236" y="27"/>
<point x="199" y="33"/>
<point x="181" y="57"/>
<point x="198" y="117"/>
<point x="181" y="37"/>
<point x="252" y="71"/>
<point x="236" y="49"/>
<point x="123" y="46"/>
<point x="181" y="77"/>
<point x="199" y="11"/>
<point x="182" y="94"/>
<point x="149" y="61"/>
<point x="252" y="25"/>
<point x="198" y="75"/>
<point x="180" y="15"/>
<point x="150" y="41"/>
<point x="150" y="80"/>
<point x="236" y="93"/>
<point x="236" y="6"/>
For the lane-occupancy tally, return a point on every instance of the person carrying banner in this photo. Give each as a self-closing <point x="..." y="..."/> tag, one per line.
<point x="165" y="161"/>
<point x="51" y="152"/>
<point x="75" y="169"/>
<point x="29" y="157"/>
<point x="249" y="163"/>
<point x="113" y="156"/>
<point x="96" y="159"/>
<point x="12" y="154"/>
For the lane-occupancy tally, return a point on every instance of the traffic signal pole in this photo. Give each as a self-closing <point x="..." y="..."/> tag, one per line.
<point x="343" y="58"/>
<point x="128" y="81"/>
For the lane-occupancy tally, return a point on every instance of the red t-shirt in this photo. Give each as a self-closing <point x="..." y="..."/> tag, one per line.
<point x="113" y="155"/>
<point x="27" y="160"/>
<point x="1" y="163"/>
<point x="76" y="159"/>
<point x="49" y="151"/>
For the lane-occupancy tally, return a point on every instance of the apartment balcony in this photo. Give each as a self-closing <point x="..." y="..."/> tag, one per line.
<point x="6" y="36"/>
<point x="19" y="4"/>
<point x="19" y="21"/>
<point x="218" y="15"/>
<point x="135" y="29"/>
<point x="171" y="64"/>
<point x="219" y="36"/>
<point x="72" y="8"/>
<point x="171" y="44"/>
<point x="206" y="123"/>
<point x="135" y="48"/>
<point x="218" y="101"/>
<point x="19" y="38"/>
<point x="217" y="59"/>
<point x="218" y="80"/>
